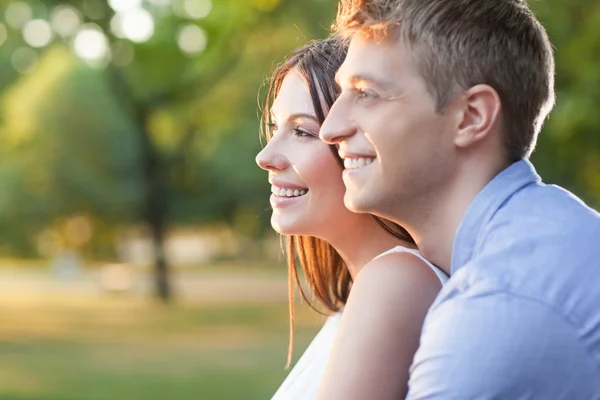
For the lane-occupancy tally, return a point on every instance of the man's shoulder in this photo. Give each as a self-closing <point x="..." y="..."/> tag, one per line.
<point x="539" y="206"/>
<point x="544" y="241"/>
<point x="542" y="245"/>
<point x="518" y="344"/>
<point x="542" y="230"/>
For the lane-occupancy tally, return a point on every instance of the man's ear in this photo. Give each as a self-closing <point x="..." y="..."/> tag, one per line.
<point x="480" y="113"/>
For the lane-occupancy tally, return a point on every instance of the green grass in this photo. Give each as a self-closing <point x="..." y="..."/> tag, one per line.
<point x="129" y="349"/>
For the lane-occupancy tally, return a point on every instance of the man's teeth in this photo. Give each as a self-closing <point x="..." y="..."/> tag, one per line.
<point x="352" y="163"/>
<point x="282" y="192"/>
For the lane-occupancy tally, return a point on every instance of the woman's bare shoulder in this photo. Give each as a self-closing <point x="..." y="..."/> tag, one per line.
<point x="392" y="292"/>
<point x="394" y="271"/>
<point x="380" y="329"/>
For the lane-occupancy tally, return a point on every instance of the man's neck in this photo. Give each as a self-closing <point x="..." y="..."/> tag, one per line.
<point x="435" y="232"/>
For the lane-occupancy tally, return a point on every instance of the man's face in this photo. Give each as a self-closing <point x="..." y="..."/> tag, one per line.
<point x="398" y="151"/>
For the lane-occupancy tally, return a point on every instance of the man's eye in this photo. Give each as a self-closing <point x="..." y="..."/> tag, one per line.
<point x="364" y="94"/>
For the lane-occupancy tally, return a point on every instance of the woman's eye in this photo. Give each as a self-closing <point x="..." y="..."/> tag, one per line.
<point x="299" y="132"/>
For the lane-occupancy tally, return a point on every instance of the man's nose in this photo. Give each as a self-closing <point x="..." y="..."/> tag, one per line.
<point x="337" y="125"/>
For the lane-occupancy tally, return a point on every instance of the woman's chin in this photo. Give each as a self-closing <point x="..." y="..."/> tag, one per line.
<point x="287" y="226"/>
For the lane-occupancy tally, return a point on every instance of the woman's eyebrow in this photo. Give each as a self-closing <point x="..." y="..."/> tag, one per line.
<point x="297" y="116"/>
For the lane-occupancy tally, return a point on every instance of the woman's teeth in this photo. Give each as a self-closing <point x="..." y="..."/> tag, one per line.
<point x="353" y="163"/>
<point x="282" y="192"/>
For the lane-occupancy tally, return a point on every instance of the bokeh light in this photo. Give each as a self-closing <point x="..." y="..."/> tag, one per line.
<point x="116" y="25"/>
<point x="65" y="21"/>
<point x="24" y="60"/>
<point x="91" y="43"/>
<point x="3" y="34"/>
<point x="78" y="230"/>
<point x="116" y="278"/>
<point x="197" y="9"/>
<point x="192" y="39"/>
<point x="124" y="5"/>
<point x="160" y="3"/>
<point x="49" y="242"/>
<point x="18" y="14"/>
<point x="37" y="33"/>
<point x="122" y="53"/>
<point x="136" y="25"/>
<point x="94" y="9"/>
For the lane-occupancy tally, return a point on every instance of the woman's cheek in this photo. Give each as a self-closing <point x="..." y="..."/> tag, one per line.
<point x="322" y="167"/>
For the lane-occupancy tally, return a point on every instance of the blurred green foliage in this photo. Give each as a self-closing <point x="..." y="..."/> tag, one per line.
<point x="75" y="140"/>
<point x="568" y="151"/>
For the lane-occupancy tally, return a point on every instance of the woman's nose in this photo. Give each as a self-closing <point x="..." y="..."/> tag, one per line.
<point x="271" y="160"/>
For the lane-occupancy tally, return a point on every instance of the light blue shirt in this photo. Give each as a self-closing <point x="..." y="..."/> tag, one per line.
<point x="520" y="316"/>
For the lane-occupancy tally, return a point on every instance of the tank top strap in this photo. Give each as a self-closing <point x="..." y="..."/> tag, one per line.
<point x="442" y="276"/>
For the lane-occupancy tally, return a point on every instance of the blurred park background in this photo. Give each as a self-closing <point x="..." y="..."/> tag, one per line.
<point x="136" y="257"/>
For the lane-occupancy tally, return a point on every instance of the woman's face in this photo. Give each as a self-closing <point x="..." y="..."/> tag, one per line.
<point x="306" y="180"/>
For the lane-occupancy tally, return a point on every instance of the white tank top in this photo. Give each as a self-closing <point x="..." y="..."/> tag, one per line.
<point x="401" y="249"/>
<point x="304" y="379"/>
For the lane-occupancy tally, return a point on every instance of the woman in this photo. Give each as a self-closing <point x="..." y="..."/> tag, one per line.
<point x="392" y="285"/>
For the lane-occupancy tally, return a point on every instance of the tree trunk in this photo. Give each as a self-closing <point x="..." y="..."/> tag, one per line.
<point x="163" y="287"/>
<point x="155" y="207"/>
<point x="154" y="174"/>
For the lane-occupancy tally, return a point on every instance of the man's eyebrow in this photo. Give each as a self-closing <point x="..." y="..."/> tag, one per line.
<point x="355" y="80"/>
<point x="364" y="78"/>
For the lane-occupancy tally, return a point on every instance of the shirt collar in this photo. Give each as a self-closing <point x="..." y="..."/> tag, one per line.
<point x="485" y="205"/>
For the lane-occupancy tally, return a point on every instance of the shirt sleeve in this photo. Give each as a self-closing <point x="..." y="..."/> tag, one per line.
<point x="500" y="346"/>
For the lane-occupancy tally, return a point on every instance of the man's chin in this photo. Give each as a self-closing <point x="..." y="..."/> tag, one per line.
<point x="355" y="202"/>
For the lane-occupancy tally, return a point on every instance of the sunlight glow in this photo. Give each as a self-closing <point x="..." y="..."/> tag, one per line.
<point x="37" y="33"/>
<point x="65" y="21"/>
<point x="91" y="44"/>
<point x="192" y="39"/>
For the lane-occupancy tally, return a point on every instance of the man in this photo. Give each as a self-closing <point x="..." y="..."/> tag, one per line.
<point x="441" y="104"/>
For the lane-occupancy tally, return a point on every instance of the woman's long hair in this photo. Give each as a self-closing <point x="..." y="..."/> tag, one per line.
<point x="326" y="273"/>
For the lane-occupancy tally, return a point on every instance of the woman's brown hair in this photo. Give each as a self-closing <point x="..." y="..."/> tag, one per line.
<point x="326" y="273"/>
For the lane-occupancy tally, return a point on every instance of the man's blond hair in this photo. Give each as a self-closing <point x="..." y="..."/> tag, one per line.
<point x="462" y="43"/>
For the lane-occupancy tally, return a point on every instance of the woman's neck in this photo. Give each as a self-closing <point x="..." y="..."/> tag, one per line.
<point x="359" y="244"/>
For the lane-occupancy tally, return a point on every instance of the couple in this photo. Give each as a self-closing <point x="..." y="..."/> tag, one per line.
<point x="438" y="107"/>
